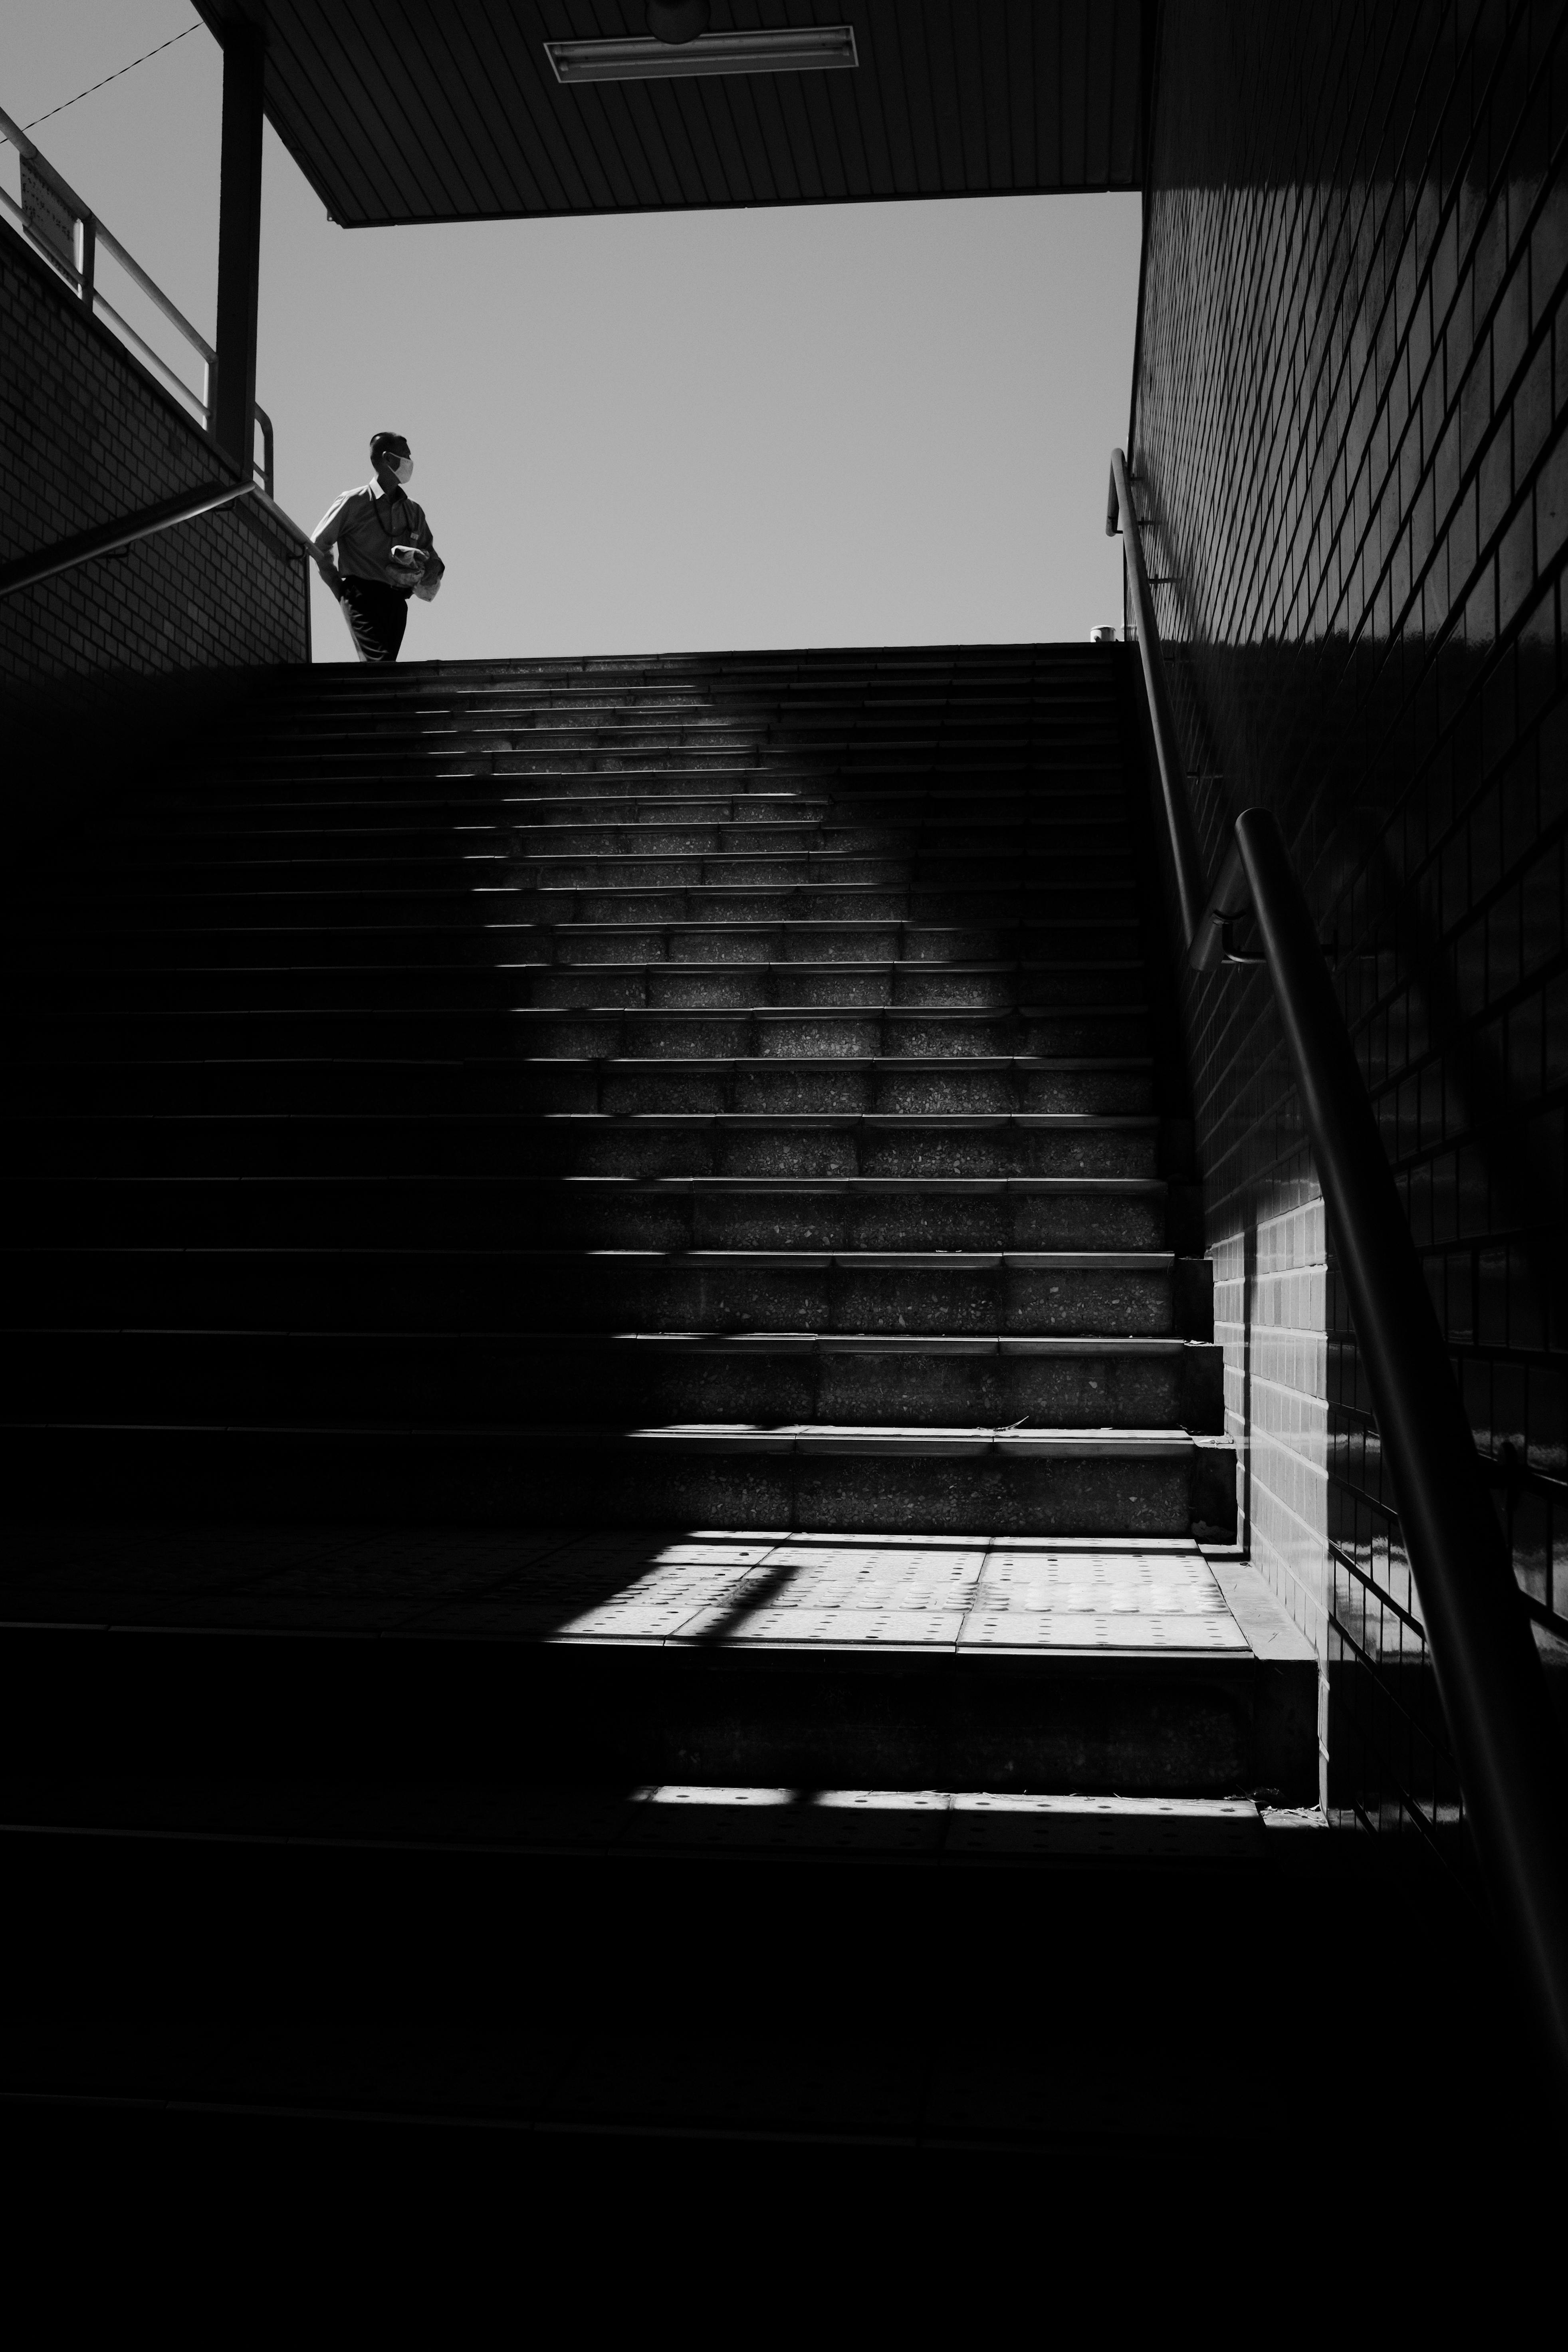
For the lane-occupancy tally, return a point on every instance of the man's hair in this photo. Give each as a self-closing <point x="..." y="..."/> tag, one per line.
<point x="379" y="443"/>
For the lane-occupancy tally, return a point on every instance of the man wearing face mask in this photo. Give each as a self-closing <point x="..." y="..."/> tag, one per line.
<point x="385" y="552"/>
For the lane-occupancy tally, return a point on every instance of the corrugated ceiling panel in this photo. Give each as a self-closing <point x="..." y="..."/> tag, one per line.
<point x="890" y="96"/>
<point x="447" y="109"/>
<point x="1047" y="47"/>
<point x="1074" y="54"/>
<point x="434" y="45"/>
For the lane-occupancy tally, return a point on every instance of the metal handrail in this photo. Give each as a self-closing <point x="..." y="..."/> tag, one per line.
<point x="83" y="282"/>
<point x="1191" y="888"/>
<point x="27" y="570"/>
<point x="1490" y="1675"/>
<point x="155" y="294"/>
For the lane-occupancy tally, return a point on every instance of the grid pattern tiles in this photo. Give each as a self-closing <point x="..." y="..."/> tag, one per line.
<point x="704" y="1587"/>
<point x="86" y="437"/>
<point x="1348" y="446"/>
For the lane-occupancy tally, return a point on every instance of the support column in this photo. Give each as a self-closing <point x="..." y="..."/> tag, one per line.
<point x="239" y="244"/>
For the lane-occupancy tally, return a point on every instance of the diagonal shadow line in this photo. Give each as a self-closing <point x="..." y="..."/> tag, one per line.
<point x="753" y="1594"/>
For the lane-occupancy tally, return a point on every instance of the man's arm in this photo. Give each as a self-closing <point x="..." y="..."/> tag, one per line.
<point x="328" y="569"/>
<point x="325" y="538"/>
<point x="429" y="583"/>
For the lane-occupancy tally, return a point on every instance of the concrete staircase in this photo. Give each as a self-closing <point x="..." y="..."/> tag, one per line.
<point x="627" y="1094"/>
<point x="605" y="1274"/>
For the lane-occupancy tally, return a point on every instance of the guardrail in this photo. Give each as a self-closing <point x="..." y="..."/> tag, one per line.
<point x="68" y="235"/>
<point x="1489" y="1677"/>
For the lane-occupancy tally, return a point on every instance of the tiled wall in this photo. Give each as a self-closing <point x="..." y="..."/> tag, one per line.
<point x="85" y="438"/>
<point x="1349" y="446"/>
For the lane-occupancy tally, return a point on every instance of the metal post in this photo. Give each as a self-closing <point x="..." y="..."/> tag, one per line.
<point x="239" y="244"/>
<point x="1490" y="1678"/>
<point x="266" y="423"/>
<point x="88" y="266"/>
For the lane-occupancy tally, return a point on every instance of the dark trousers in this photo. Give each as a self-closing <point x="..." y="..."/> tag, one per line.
<point x="377" y="615"/>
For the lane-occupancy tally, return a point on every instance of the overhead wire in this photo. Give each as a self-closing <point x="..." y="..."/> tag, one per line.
<point x="115" y="76"/>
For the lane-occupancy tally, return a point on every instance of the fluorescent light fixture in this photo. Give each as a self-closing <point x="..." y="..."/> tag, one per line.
<point x="818" y="48"/>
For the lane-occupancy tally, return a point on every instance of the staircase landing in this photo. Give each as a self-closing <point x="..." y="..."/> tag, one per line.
<point x="617" y="1659"/>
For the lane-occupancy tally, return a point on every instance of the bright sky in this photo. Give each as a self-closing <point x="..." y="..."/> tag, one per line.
<point x="849" y="425"/>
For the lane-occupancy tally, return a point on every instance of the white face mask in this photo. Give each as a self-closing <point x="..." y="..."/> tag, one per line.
<point x="403" y="469"/>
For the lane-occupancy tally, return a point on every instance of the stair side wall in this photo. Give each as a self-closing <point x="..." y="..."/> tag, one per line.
<point x="1348" y="440"/>
<point x="86" y="437"/>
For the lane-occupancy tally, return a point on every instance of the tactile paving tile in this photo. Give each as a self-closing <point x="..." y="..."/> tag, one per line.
<point x="981" y="1826"/>
<point x="881" y="1559"/>
<point x="1009" y="1563"/>
<point x="898" y="1628"/>
<point x="963" y="1826"/>
<point x="1054" y="1629"/>
<point x="630" y="1621"/>
<point x="803" y="1590"/>
<point x="830" y="1819"/>
<point x="724" y="1586"/>
<point x="1098" y="1600"/>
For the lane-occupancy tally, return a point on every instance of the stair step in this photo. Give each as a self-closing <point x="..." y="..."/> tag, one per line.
<point x="507" y="945"/>
<point x="340" y="1208"/>
<point x="769" y="1378"/>
<point x="899" y="1084"/>
<point x="265" y="804"/>
<point x="725" y="985"/>
<point x="534" y="1289"/>
<point x="485" y="903"/>
<point x="853" y="1214"/>
<point x="773" y="828"/>
<point x="958" y="1483"/>
<point x="727" y="1143"/>
<point x="589" y="1035"/>
<point x="1007" y="1665"/>
<point x="928" y="1828"/>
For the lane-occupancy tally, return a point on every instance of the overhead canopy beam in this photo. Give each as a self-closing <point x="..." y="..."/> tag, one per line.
<point x="451" y="109"/>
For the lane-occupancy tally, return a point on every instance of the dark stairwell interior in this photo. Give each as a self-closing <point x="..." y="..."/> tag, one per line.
<point x="611" y="1327"/>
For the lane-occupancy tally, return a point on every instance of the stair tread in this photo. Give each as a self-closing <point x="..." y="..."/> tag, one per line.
<point x="724" y="1592"/>
<point x="1107" y="1261"/>
<point x="715" y="1342"/>
<point x="961" y="1826"/>
<point x="955" y="1122"/>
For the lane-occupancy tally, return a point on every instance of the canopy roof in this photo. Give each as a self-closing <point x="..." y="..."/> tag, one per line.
<point x="402" y="110"/>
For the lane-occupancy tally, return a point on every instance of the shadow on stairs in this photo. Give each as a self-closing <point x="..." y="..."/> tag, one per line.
<point x="623" y="1524"/>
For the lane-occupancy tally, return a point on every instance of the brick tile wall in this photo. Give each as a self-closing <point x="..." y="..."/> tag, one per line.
<point x="87" y="437"/>
<point x="1349" y="446"/>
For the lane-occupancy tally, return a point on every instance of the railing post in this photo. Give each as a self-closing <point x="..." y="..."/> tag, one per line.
<point x="1490" y="1679"/>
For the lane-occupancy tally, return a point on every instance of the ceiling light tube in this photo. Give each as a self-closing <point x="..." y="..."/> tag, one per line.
<point x="816" y="49"/>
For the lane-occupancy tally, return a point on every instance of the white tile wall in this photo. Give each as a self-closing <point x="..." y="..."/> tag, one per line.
<point x="1270" y="1318"/>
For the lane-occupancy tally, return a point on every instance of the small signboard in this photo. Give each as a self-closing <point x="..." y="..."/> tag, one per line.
<point x="48" y="211"/>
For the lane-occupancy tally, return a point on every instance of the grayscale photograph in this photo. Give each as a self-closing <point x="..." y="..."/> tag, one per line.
<point x="786" y="1240"/>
